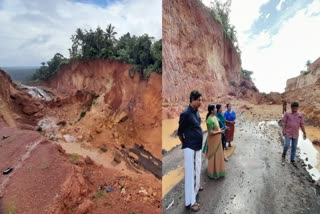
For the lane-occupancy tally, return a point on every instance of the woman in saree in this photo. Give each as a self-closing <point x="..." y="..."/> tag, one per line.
<point x="223" y="127"/>
<point x="213" y="146"/>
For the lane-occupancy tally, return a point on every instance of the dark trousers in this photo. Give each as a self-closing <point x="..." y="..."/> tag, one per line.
<point x="224" y="142"/>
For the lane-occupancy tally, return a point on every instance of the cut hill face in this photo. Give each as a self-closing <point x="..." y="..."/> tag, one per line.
<point x="304" y="80"/>
<point x="130" y="105"/>
<point x="16" y="110"/>
<point x="107" y="124"/>
<point x="197" y="55"/>
<point x="306" y="90"/>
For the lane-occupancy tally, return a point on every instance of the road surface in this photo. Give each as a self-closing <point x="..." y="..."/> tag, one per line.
<point x="256" y="180"/>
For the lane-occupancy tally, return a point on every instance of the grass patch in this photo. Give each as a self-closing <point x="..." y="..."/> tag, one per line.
<point x="74" y="158"/>
<point x="82" y="114"/>
<point x="99" y="194"/>
<point x="94" y="102"/>
<point x="10" y="209"/>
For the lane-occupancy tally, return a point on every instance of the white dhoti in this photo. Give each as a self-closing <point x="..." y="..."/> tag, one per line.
<point x="192" y="169"/>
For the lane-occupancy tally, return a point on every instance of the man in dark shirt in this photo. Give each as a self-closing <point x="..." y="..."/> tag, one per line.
<point x="190" y="135"/>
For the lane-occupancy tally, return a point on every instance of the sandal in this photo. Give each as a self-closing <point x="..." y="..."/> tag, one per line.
<point x="195" y="207"/>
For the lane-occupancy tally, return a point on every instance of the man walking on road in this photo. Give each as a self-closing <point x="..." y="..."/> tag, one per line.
<point x="191" y="136"/>
<point x="291" y="123"/>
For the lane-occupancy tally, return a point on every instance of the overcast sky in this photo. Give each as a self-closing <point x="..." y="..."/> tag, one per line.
<point x="32" y="31"/>
<point x="276" y="38"/>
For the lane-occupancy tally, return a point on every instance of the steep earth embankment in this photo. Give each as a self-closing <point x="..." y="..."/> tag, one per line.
<point x="197" y="55"/>
<point x="306" y="90"/>
<point x="45" y="179"/>
<point x="308" y="79"/>
<point x="116" y="101"/>
<point x="107" y="123"/>
<point x="16" y="110"/>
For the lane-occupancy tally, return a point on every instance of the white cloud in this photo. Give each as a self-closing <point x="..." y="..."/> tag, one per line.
<point x="243" y="15"/>
<point x="276" y="58"/>
<point x="294" y="44"/>
<point x="279" y="6"/>
<point x="33" y="31"/>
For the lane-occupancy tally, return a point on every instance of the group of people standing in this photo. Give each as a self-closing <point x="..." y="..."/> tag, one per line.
<point x="220" y="127"/>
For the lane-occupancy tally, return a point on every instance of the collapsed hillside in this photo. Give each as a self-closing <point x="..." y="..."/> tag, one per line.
<point x="100" y="137"/>
<point x="306" y="90"/>
<point x="198" y="55"/>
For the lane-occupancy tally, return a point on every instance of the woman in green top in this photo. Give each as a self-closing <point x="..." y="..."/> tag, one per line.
<point x="223" y="127"/>
<point x="213" y="147"/>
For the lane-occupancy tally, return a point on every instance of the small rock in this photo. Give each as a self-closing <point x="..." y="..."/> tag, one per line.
<point x="62" y="123"/>
<point x="309" y="166"/>
<point x="88" y="160"/>
<point x="69" y="138"/>
<point x="117" y="158"/>
<point x="150" y="190"/>
<point x="109" y="189"/>
<point x="104" y="148"/>
<point x="85" y="206"/>
<point x="123" y="191"/>
<point x="115" y="135"/>
<point x="80" y="163"/>
<point x="143" y="191"/>
<point x="4" y="137"/>
<point x="316" y="142"/>
<point x="134" y="156"/>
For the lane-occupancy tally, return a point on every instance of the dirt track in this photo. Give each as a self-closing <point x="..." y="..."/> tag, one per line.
<point x="256" y="180"/>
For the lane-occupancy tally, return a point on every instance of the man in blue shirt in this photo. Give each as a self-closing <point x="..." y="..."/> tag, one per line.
<point x="191" y="136"/>
<point x="230" y="116"/>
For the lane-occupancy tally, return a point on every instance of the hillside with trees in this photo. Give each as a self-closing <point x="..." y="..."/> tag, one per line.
<point x="144" y="52"/>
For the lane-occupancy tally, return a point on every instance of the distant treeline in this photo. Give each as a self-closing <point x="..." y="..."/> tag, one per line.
<point x="144" y="52"/>
<point x="20" y="73"/>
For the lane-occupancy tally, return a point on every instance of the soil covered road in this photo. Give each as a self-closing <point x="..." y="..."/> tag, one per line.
<point x="257" y="181"/>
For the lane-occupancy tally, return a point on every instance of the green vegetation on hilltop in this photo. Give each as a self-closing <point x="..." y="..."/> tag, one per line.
<point x="221" y="11"/>
<point x="246" y="74"/>
<point x="141" y="51"/>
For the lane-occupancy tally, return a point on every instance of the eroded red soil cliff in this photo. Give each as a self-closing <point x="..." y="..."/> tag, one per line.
<point x="197" y="55"/>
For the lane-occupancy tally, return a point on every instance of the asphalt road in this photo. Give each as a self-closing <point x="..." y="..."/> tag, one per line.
<point x="256" y="180"/>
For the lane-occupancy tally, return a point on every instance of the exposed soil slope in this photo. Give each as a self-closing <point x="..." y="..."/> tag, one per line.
<point x="197" y="55"/>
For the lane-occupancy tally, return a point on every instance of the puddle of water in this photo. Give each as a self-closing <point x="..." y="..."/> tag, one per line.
<point x="171" y="179"/>
<point x="307" y="149"/>
<point x="169" y="126"/>
<point x="268" y="123"/>
<point x="313" y="133"/>
<point x="104" y="159"/>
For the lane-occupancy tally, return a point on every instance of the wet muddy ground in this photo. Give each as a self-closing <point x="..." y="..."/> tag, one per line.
<point x="256" y="180"/>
